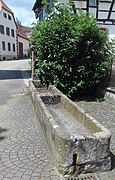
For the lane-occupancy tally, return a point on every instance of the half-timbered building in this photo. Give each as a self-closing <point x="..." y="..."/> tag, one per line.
<point x="103" y="11"/>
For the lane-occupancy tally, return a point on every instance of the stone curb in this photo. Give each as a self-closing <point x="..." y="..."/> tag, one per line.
<point x="110" y="92"/>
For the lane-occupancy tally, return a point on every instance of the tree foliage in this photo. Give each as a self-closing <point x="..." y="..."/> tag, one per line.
<point x="72" y="52"/>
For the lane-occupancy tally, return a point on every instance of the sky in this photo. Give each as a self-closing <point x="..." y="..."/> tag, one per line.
<point x="22" y="10"/>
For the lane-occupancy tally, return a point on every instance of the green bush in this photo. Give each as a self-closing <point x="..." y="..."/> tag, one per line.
<point x="72" y="52"/>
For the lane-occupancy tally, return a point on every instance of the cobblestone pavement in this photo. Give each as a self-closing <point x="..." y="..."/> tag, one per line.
<point x="24" y="154"/>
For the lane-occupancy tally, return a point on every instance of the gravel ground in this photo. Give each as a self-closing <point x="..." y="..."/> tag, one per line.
<point x="103" y="112"/>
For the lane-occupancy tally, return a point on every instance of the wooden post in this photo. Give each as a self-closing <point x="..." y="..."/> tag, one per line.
<point x="97" y="10"/>
<point x="87" y="6"/>
<point x="110" y="10"/>
<point x="33" y="64"/>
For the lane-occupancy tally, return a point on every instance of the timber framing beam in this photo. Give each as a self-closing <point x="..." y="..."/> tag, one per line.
<point x="110" y="11"/>
<point x="111" y="7"/>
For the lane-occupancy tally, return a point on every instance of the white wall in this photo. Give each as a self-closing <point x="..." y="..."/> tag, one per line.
<point x="8" y="39"/>
<point x="110" y="27"/>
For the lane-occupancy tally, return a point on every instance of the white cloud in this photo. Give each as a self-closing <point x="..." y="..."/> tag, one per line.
<point x="20" y="3"/>
<point x="25" y="16"/>
<point x="22" y="10"/>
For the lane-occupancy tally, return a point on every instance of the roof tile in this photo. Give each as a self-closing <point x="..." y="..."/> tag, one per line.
<point x="4" y="6"/>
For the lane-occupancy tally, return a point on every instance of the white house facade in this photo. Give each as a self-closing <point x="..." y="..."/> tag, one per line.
<point x="8" y="34"/>
<point x="23" y="47"/>
<point x="23" y="34"/>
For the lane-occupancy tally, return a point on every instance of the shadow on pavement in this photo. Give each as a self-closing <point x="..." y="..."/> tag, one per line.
<point x="112" y="160"/>
<point x="1" y="131"/>
<point x="14" y="74"/>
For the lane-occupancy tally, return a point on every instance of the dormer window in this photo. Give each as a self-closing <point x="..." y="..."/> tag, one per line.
<point x="9" y="17"/>
<point x="5" y="15"/>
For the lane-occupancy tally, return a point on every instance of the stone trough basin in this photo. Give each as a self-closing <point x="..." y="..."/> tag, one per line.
<point x="78" y="143"/>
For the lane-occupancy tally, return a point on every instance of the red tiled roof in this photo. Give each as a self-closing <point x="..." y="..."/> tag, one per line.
<point x="21" y="30"/>
<point x="27" y="29"/>
<point x="4" y="6"/>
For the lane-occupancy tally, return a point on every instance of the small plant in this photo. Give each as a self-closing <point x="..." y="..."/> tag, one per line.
<point x="100" y="99"/>
<point x="72" y="52"/>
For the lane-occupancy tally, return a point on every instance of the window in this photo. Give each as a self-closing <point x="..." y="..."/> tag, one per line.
<point x="5" y="15"/>
<point x="9" y="47"/>
<point x="3" y="46"/>
<point x="92" y="2"/>
<point x="14" y="47"/>
<point x="9" y="17"/>
<point x="1" y="29"/>
<point x="8" y="31"/>
<point x="12" y="32"/>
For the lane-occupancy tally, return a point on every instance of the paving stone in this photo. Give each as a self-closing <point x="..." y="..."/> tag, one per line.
<point x="28" y="172"/>
<point x="45" y="173"/>
<point x="15" y="178"/>
<point x="54" y="178"/>
<point x="37" y="174"/>
<point x="1" y="177"/>
<point x="45" y="178"/>
<point x="24" y="177"/>
<point x="5" y="178"/>
<point x="9" y="175"/>
<point x="35" y="178"/>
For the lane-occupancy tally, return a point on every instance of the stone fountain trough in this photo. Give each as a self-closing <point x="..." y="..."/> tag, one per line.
<point x="78" y="143"/>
